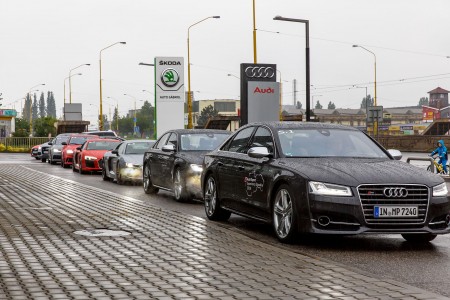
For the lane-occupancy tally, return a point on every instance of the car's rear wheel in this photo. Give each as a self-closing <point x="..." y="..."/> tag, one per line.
<point x="104" y="177"/>
<point x="119" y="175"/>
<point x="179" y="186"/>
<point x="73" y="168"/>
<point x="63" y="165"/>
<point x="80" y="168"/>
<point x="212" y="205"/>
<point x="419" y="238"/>
<point x="43" y="159"/>
<point x="149" y="188"/>
<point x="37" y="158"/>
<point x="284" y="214"/>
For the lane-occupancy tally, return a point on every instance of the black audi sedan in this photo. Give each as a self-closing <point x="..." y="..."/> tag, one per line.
<point x="323" y="179"/>
<point x="174" y="163"/>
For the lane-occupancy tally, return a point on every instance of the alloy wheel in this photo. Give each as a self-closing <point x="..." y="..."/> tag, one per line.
<point x="283" y="213"/>
<point x="177" y="184"/>
<point x="210" y="196"/>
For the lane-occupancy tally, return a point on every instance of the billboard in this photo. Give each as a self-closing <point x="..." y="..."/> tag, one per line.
<point x="250" y="73"/>
<point x="73" y="112"/>
<point x="169" y="94"/>
<point x="263" y="101"/>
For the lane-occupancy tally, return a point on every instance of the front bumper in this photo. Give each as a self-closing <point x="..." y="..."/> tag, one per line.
<point x="193" y="184"/>
<point x="345" y="216"/>
<point x="131" y="174"/>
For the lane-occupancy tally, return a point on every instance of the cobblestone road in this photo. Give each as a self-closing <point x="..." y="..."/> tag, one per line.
<point x="168" y="255"/>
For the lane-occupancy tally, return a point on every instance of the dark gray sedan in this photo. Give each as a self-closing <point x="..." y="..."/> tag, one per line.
<point x="174" y="163"/>
<point x="124" y="164"/>
<point x="324" y="179"/>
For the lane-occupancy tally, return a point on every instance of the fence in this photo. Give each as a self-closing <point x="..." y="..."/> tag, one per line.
<point x="23" y="142"/>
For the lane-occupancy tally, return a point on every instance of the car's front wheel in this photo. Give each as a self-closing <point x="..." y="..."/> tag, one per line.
<point x="149" y="188"/>
<point x="419" y="238"/>
<point x="179" y="187"/>
<point x="104" y="176"/>
<point x="119" y="175"/>
<point x="43" y="159"/>
<point x="212" y="206"/>
<point x="80" y="167"/>
<point x="284" y="214"/>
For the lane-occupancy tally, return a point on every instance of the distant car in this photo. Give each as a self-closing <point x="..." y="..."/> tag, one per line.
<point x="71" y="145"/>
<point x="106" y="133"/>
<point x="43" y="151"/>
<point x="54" y="153"/>
<point x="323" y="179"/>
<point x="174" y="163"/>
<point x="34" y="152"/>
<point x="125" y="162"/>
<point x="87" y="157"/>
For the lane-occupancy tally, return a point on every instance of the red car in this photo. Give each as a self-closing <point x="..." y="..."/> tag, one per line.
<point x="87" y="157"/>
<point x="69" y="147"/>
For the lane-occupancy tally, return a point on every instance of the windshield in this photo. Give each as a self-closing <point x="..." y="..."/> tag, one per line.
<point x="202" y="141"/>
<point x="138" y="147"/>
<point x="101" y="145"/>
<point x="78" y="140"/>
<point x="59" y="140"/>
<point x="328" y="143"/>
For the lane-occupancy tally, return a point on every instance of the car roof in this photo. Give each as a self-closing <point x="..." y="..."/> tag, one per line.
<point x="102" y="140"/>
<point x="198" y="131"/>
<point x="139" y="141"/>
<point x="82" y="135"/>
<point x="300" y="125"/>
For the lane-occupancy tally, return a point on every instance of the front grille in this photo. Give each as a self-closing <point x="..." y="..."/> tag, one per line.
<point x="56" y="156"/>
<point x="373" y="195"/>
<point x="90" y="163"/>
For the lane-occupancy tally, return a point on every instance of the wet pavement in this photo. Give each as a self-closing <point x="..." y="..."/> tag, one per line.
<point x="166" y="255"/>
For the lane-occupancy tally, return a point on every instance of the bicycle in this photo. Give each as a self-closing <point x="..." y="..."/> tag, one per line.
<point x="438" y="168"/>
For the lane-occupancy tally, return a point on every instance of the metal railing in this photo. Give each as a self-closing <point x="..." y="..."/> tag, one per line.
<point x="423" y="159"/>
<point x="22" y="142"/>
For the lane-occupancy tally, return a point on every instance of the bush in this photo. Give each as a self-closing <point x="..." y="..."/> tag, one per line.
<point x="2" y="148"/>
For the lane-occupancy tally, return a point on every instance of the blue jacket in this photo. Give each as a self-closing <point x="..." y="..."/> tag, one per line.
<point x="441" y="151"/>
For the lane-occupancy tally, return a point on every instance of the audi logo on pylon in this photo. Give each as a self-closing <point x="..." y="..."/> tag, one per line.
<point x="395" y="192"/>
<point x="260" y="72"/>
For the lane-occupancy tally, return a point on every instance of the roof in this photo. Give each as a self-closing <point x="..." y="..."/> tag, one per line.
<point x="138" y="141"/>
<point x="438" y="90"/>
<point x="305" y="125"/>
<point x="194" y="131"/>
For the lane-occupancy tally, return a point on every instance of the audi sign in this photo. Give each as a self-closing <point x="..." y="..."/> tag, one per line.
<point x="259" y="72"/>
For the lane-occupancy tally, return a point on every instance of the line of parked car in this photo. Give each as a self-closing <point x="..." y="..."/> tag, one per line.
<point x="300" y="177"/>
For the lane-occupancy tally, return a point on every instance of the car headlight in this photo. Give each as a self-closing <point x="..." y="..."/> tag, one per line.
<point x="90" y="158"/>
<point x="69" y="151"/>
<point x="196" y="168"/>
<point x="56" y="150"/>
<point x="131" y="165"/>
<point x="440" y="190"/>
<point x="328" y="189"/>
<point x="39" y="148"/>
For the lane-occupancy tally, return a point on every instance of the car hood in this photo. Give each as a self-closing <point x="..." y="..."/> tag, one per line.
<point x="59" y="147"/>
<point x="135" y="159"/>
<point x="96" y="153"/>
<point x="353" y="172"/>
<point x="71" y="147"/>
<point x="194" y="157"/>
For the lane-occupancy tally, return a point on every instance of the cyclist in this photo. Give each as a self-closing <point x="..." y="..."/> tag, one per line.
<point x="441" y="150"/>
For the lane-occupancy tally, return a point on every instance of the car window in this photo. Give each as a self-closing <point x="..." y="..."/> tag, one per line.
<point x="137" y="147"/>
<point x="240" y="142"/>
<point x="78" y="140"/>
<point x="101" y="145"/>
<point x="263" y="138"/>
<point x="173" y="139"/>
<point x="162" y="141"/>
<point x="202" y="141"/>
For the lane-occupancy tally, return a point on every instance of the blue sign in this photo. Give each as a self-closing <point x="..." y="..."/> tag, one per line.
<point x="137" y="129"/>
<point x="8" y="112"/>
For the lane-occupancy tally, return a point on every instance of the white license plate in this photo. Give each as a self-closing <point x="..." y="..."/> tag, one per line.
<point x="395" y="211"/>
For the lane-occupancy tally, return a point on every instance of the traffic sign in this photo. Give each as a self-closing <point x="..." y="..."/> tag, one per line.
<point x="375" y="114"/>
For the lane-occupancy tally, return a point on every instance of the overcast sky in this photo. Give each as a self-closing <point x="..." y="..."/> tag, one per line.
<point x="40" y="41"/>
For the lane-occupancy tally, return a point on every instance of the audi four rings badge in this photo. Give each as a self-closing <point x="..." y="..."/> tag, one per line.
<point x="395" y="192"/>
<point x="260" y="72"/>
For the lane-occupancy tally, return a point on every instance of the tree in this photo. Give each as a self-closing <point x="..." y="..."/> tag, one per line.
<point x="115" y="119"/>
<point x="22" y="128"/>
<point x="26" y="108"/>
<point x="42" y="112"/>
<point x="331" y="105"/>
<point x="35" y="108"/>
<point x="423" y="101"/>
<point x="298" y="105"/>
<point x="51" y="106"/>
<point x="44" y="126"/>
<point x="318" y="105"/>
<point x="126" y="126"/>
<point x="145" y="119"/>
<point x="205" y="114"/>
<point x="367" y="101"/>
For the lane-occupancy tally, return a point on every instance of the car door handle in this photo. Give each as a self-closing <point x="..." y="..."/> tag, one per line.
<point x="241" y="168"/>
<point x="220" y="164"/>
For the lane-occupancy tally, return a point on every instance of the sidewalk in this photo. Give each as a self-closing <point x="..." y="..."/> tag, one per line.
<point x="167" y="255"/>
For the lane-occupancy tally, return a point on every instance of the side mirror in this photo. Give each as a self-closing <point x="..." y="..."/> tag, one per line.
<point x="50" y="143"/>
<point x="258" y="152"/>
<point x="79" y="148"/>
<point x="115" y="152"/>
<point x="64" y="143"/>
<point x="397" y="155"/>
<point x="168" y="148"/>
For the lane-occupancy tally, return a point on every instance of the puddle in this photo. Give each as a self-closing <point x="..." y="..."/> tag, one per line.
<point x="102" y="232"/>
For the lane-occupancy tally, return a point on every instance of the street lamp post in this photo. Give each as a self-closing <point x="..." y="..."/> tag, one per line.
<point x="68" y="77"/>
<point x="308" y="86"/>
<point x="154" y="102"/>
<point x="117" y="117"/>
<point x="254" y="34"/>
<point x="31" y="110"/>
<point x="375" y="121"/>
<point x="134" y="121"/>
<point x="101" y="96"/>
<point x="70" y="81"/>
<point x="189" y="71"/>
